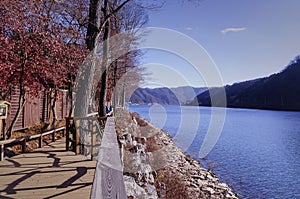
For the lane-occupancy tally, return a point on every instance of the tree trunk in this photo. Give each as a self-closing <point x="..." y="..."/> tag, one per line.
<point x="21" y="104"/>
<point x="84" y="82"/>
<point x="22" y="99"/>
<point x="43" y="119"/>
<point x="70" y="98"/>
<point x="115" y="86"/>
<point x="53" y="109"/>
<point x="102" y="97"/>
<point x="94" y="23"/>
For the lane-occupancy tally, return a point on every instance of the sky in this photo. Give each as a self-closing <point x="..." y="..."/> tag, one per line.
<point x="244" y="39"/>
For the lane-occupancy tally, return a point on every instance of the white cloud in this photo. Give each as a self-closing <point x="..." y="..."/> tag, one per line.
<point x="189" y="28"/>
<point x="224" y="31"/>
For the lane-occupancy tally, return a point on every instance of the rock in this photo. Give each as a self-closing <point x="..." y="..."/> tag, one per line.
<point x="151" y="191"/>
<point x="133" y="189"/>
<point x="134" y="121"/>
<point x="133" y="149"/>
<point x="140" y="148"/>
<point x="134" y="143"/>
<point x="223" y="186"/>
<point x="211" y="191"/>
<point x="193" y="172"/>
<point x="143" y="140"/>
<point x="211" y="178"/>
<point x="194" y="185"/>
<point x="201" y="183"/>
<point x="128" y="140"/>
<point x="196" y="176"/>
<point x="122" y="139"/>
<point x="229" y="196"/>
<point x="144" y="174"/>
<point x="154" y="173"/>
<point x="151" y="179"/>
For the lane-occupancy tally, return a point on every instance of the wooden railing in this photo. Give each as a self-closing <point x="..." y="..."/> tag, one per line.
<point x="73" y="132"/>
<point x="108" y="180"/>
<point x="23" y="140"/>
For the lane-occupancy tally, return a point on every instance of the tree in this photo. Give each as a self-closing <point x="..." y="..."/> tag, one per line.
<point x="43" y="42"/>
<point x="131" y="17"/>
<point x="129" y="20"/>
<point x="31" y="57"/>
<point x="97" y="30"/>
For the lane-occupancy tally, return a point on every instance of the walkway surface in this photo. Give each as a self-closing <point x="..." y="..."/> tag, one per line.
<point x="49" y="172"/>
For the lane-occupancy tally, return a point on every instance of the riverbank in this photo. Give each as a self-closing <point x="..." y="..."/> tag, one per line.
<point x="154" y="167"/>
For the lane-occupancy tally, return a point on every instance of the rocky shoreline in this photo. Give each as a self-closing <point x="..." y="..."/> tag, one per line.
<point x="155" y="168"/>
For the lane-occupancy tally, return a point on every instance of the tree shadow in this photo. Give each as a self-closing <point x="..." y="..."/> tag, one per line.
<point x="10" y="188"/>
<point x="5" y="197"/>
<point x="56" y="160"/>
<point x="15" y="163"/>
<point x="68" y="191"/>
<point x="31" y="167"/>
<point x="81" y="171"/>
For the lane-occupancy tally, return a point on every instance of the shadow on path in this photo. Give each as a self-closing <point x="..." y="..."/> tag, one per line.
<point x="81" y="171"/>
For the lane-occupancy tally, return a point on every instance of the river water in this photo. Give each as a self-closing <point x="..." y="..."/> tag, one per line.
<point x="257" y="153"/>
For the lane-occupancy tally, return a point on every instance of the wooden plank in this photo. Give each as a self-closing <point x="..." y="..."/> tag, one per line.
<point x="2" y="142"/>
<point x="54" y="130"/>
<point x="35" y="136"/>
<point x="108" y="180"/>
<point x="49" y="172"/>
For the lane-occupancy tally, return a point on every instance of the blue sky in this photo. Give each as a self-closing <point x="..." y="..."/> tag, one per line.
<point x="246" y="39"/>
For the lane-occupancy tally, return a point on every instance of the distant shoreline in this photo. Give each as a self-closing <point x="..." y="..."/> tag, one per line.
<point x="233" y="107"/>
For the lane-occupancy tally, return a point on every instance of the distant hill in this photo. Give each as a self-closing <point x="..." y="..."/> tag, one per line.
<point x="165" y="96"/>
<point x="280" y="91"/>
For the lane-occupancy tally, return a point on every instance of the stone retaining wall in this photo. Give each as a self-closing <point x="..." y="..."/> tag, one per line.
<point x="154" y="167"/>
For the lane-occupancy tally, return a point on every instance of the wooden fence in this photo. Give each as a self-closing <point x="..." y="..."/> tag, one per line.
<point x="36" y="110"/>
<point x="22" y="141"/>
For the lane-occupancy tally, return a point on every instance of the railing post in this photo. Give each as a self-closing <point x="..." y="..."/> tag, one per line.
<point x="23" y="143"/>
<point x="68" y="134"/>
<point x="53" y="136"/>
<point x="77" y="137"/>
<point x="93" y="137"/>
<point x="1" y="152"/>
<point x="41" y="141"/>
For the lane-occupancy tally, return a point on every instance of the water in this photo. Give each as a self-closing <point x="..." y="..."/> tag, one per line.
<point x="257" y="154"/>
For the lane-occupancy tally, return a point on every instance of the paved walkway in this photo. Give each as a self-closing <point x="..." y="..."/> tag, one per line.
<point x="50" y="172"/>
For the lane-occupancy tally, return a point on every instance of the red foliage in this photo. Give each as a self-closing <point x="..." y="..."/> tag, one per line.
<point x="33" y="48"/>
